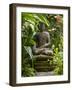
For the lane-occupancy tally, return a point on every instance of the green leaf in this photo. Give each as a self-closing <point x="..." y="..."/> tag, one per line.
<point x="42" y="19"/>
<point x="29" y="51"/>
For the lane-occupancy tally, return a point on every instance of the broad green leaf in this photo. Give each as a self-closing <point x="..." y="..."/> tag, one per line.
<point x="29" y="51"/>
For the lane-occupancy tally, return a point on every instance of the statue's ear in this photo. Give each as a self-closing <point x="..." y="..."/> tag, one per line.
<point x="35" y="36"/>
<point x="39" y="26"/>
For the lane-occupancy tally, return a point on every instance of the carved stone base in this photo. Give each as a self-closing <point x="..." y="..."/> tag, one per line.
<point x="42" y="57"/>
<point x="42" y="63"/>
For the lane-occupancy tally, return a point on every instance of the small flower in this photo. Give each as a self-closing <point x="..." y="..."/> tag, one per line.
<point x="58" y="18"/>
<point x="53" y="29"/>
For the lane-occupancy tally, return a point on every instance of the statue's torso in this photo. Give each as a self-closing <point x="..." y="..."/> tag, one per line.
<point x="41" y="38"/>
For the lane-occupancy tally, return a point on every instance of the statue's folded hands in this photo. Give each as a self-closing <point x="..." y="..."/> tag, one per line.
<point x="45" y="45"/>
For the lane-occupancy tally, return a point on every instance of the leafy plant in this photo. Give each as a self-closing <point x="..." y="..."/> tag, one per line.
<point x="58" y="61"/>
<point x="27" y="63"/>
<point x="28" y="71"/>
<point x="30" y="26"/>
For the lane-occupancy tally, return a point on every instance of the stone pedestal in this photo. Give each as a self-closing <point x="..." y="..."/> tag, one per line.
<point x="42" y="63"/>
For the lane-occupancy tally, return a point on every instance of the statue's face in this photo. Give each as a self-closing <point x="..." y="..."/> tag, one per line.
<point x="42" y="27"/>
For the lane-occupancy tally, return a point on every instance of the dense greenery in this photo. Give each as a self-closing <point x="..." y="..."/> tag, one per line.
<point x="30" y="25"/>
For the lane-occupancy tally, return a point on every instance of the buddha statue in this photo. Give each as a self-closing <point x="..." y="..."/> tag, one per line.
<point x="42" y="38"/>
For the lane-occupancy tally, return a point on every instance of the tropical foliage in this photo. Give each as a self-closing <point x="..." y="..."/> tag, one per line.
<point x="30" y="25"/>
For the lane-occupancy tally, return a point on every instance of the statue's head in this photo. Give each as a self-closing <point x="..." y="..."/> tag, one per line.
<point x="41" y="26"/>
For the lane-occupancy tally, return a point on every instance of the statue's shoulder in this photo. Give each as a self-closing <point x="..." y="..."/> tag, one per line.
<point x="36" y="34"/>
<point x="45" y="32"/>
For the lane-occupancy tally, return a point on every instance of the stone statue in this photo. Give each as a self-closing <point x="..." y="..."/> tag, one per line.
<point x="42" y="39"/>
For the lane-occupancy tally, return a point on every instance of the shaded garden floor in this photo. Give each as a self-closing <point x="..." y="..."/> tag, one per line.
<point x="49" y="73"/>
